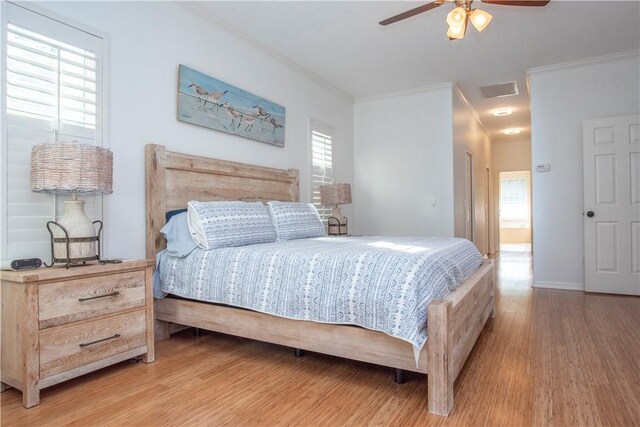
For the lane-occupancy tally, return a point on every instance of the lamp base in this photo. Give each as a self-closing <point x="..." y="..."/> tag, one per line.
<point x="74" y="239"/>
<point x="336" y="212"/>
<point x="337" y="226"/>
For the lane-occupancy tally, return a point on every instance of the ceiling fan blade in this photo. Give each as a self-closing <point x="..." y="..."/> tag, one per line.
<point x="412" y="12"/>
<point x="518" y="2"/>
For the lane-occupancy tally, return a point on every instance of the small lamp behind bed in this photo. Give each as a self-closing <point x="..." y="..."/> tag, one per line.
<point x="336" y="195"/>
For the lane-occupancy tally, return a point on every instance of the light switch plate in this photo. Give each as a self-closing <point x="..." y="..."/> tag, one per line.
<point x="543" y="167"/>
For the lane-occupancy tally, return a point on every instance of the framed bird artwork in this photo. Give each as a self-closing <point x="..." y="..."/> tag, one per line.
<point x="209" y="102"/>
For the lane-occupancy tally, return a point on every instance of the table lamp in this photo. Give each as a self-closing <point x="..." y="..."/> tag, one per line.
<point x="72" y="168"/>
<point x="336" y="195"/>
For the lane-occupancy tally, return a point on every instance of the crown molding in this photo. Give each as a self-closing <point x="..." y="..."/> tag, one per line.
<point x="204" y="13"/>
<point x="404" y="92"/>
<point x="582" y="62"/>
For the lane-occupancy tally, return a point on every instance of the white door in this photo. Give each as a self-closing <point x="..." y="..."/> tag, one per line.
<point x="612" y="205"/>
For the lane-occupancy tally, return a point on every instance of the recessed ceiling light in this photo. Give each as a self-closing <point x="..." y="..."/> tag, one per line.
<point x="512" y="131"/>
<point x="502" y="112"/>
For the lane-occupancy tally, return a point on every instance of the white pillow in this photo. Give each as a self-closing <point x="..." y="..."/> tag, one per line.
<point x="296" y="220"/>
<point x="226" y="224"/>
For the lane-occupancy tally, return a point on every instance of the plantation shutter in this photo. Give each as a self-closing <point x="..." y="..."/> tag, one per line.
<point x="53" y="94"/>
<point x="321" y="164"/>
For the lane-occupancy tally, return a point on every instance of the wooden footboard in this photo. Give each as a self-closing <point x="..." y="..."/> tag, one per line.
<point x="454" y="325"/>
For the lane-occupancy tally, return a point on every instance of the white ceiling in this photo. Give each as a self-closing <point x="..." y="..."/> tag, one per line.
<point x="342" y="43"/>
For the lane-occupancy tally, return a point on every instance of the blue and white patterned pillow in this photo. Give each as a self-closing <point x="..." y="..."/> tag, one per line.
<point x="296" y="220"/>
<point x="226" y="224"/>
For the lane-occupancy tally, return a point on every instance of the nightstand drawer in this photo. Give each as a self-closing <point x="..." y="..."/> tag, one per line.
<point x="72" y="300"/>
<point x="67" y="347"/>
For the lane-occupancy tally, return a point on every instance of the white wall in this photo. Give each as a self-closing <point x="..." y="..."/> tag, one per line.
<point x="512" y="156"/>
<point x="508" y="156"/>
<point x="403" y="162"/>
<point x="561" y="99"/>
<point x="147" y="42"/>
<point x="469" y="136"/>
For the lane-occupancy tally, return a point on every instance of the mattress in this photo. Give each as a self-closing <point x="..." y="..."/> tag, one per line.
<point x="379" y="283"/>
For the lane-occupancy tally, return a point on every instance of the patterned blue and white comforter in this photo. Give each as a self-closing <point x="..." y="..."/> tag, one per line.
<point x="378" y="283"/>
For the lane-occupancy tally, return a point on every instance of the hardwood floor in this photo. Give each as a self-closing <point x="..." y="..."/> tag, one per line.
<point x="548" y="358"/>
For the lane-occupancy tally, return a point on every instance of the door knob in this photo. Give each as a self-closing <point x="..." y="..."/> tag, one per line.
<point x="591" y="214"/>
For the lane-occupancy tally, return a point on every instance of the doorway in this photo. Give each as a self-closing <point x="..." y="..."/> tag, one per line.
<point x="515" y="211"/>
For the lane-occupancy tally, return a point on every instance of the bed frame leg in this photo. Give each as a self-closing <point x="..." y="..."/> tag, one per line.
<point x="197" y="332"/>
<point x="400" y="377"/>
<point x="299" y="352"/>
<point x="440" y="375"/>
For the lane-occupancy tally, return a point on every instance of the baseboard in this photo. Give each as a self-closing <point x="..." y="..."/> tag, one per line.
<point x="560" y="285"/>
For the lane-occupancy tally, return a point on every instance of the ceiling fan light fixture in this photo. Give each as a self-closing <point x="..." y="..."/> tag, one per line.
<point x="480" y="19"/>
<point x="457" y="17"/>
<point x="456" y="31"/>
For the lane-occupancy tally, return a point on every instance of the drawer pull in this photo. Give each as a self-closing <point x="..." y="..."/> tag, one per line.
<point x="102" y="340"/>
<point x="112" y="294"/>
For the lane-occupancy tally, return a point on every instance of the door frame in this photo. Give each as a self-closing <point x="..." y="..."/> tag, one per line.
<point x="471" y="197"/>
<point x="488" y="211"/>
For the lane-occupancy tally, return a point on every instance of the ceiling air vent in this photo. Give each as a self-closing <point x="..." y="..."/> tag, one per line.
<point x="501" y="89"/>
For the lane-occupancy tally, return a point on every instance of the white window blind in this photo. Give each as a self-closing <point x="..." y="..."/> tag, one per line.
<point x="321" y="164"/>
<point x="54" y="84"/>
<point x="50" y="80"/>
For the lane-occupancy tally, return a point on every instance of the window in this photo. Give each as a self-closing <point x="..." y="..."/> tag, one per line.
<point x="514" y="199"/>
<point x="54" y="86"/>
<point x="50" y="80"/>
<point x="321" y="164"/>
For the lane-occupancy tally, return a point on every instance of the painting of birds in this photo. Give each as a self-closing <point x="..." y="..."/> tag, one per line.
<point x="200" y="92"/>
<point x="233" y="114"/>
<point x="215" y="96"/>
<point x="261" y="112"/>
<point x="275" y="125"/>
<point x="200" y="98"/>
<point x="247" y="120"/>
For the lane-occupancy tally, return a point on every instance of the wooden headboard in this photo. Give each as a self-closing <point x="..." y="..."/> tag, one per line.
<point x="173" y="179"/>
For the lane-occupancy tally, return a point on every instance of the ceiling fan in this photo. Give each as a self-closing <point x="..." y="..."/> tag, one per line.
<point x="458" y="18"/>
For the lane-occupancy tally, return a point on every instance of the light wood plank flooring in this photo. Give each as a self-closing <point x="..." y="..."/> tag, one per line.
<point x="548" y="358"/>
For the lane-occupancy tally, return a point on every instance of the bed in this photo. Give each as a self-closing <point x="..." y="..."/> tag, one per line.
<point x="454" y="323"/>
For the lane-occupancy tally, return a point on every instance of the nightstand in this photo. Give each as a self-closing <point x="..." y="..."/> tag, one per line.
<point x="60" y="323"/>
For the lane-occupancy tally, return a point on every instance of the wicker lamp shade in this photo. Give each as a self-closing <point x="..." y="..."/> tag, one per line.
<point x="335" y="194"/>
<point x="71" y="168"/>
